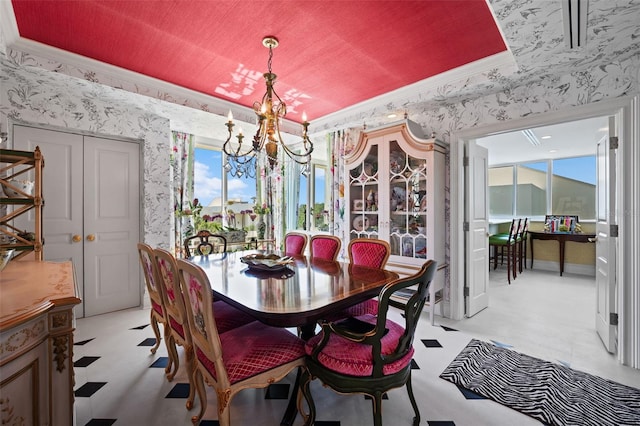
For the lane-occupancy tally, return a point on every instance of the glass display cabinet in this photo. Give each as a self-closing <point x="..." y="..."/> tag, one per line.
<point x="396" y="192"/>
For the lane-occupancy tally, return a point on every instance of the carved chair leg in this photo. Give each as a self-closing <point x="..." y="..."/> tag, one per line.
<point x="156" y="331"/>
<point x="224" y="416"/>
<point x="174" y="358"/>
<point x="305" y="391"/>
<point x="202" y="395"/>
<point x="190" y="371"/>
<point x="416" y="418"/>
<point x="376" y="401"/>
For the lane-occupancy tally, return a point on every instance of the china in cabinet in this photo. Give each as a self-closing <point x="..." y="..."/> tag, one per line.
<point x="396" y="192"/>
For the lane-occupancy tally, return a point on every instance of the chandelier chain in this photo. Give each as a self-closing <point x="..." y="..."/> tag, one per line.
<point x="269" y="112"/>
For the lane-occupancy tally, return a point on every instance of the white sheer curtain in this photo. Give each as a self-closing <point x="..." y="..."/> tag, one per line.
<point x="182" y="160"/>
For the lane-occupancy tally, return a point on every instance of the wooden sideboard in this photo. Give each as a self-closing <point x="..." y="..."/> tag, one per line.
<point x="36" y="342"/>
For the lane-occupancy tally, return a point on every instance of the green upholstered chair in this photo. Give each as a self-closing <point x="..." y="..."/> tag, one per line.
<point x="521" y="241"/>
<point x="505" y="245"/>
<point x="369" y="354"/>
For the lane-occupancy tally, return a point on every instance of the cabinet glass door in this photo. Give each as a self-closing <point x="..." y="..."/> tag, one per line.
<point x="408" y="204"/>
<point x="363" y="196"/>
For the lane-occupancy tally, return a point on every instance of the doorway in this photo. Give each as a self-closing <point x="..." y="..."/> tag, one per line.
<point x="91" y="214"/>
<point x="623" y="110"/>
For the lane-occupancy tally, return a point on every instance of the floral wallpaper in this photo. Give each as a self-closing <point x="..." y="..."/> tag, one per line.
<point x="549" y="77"/>
<point x="35" y="96"/>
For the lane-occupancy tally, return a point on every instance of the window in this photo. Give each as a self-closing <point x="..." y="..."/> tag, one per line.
<point x="301" y="217"/>
<point x="531" y="190"/>
<point x="501" y="191"/>
<point x="311" y="191"/>
<point x="574" y="187"/>
<point x="560" y="187"/>
<point x="219" y="193"/>
<point x="320" y="201"/>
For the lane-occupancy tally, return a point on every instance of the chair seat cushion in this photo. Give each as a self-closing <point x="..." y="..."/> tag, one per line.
<point x="177" y="326"/>
<point x="367" y="307"/>
<point x="157" y="307"/>
<point x="227" y="317"/>
<point x="254" y="348"/>
<point x="500" y="240"/>
<point x="355" y="359"/>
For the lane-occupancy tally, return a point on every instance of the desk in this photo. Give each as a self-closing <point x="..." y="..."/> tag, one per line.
<point x="561" y="238"/>
<point x="310" y="291"/>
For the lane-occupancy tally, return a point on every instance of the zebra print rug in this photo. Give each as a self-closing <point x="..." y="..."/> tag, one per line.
<point x="551" y="393"/>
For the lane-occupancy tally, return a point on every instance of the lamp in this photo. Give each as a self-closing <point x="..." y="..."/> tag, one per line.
<point x="241" y="159"/>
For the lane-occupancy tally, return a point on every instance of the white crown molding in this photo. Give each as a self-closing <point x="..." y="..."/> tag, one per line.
<point x="424" y="90"/>
<point x="8" y="23"/>
<point x="121" y="78"/>
<point x="148" y="86"/>
<point x="123" y="75"/>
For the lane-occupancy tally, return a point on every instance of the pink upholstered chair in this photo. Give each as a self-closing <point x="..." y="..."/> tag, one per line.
<point x="295" y="243"/>
<point x="252" y="356"/>
<point x="178" y="332"/>
<point x="156" y="297"/>
<point x="325" y="247"/>
<point x="372" y="253"/>
<point x="369" y="354"/>
<point x="368" y="252"/>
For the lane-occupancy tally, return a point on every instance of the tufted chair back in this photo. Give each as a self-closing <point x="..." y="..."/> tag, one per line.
<point x="369" y="252"/>
<point x="325" y="247"/>
<point x="295" y="243"/>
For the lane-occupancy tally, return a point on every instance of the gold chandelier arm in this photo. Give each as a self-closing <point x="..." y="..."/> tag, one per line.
<point x="268" y="138"/>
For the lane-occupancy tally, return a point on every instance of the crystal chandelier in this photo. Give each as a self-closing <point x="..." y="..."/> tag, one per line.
<point x="241" y="156"/>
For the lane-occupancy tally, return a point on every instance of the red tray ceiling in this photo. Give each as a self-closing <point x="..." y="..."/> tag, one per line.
<point x="332" y="54"/>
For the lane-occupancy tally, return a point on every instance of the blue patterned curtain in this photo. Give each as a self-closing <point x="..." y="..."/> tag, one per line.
<point x="182" y="159"/>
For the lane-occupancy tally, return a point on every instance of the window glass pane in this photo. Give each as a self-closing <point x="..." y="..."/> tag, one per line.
<point x="301" y="222"/>
<point x="320" y="213"/>
<point x="501" y="191"/>
<point x="208" y="189"/>
<point x="574" y="187"/>
<point x="207" y="178"/>
<point x="531" y="191"/>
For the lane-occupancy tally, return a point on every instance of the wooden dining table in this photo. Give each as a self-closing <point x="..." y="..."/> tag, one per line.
<point x="300" y="295"/>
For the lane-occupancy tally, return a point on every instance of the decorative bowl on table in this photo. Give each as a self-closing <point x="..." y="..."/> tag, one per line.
<point x="5" y="257"/>
<point x="25" y="186"/>
<point x="267" y="262"/>
<point x="282" y="274"/>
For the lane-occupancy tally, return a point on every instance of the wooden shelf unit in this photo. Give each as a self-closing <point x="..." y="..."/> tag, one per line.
<point x="19" y="164"/>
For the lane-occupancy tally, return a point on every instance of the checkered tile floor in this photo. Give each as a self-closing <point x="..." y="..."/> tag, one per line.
<point x="118" y="381"/>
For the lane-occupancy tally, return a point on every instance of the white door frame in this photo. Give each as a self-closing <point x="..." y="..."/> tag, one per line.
<point x="628" y="178"/>
<point x="79" y="310"/>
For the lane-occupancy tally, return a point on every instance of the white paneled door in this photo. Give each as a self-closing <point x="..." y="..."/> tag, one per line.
<point x="477" y="236"/>
<point x="606" y="242"/>
<point x="91" y="214"/>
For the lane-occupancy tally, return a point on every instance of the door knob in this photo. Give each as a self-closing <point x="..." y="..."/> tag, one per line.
<point x="76" y="238"/>
<point x="91" y="237"/>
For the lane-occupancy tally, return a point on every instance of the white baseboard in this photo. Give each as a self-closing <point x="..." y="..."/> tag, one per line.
<point x="572" y="268"/>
